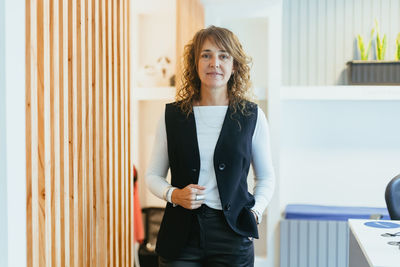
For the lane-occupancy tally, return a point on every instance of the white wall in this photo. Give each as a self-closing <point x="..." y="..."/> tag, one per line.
<point x="13" y="156"/>
<point x="3" y="170"/>
<point x="339" y="152"/>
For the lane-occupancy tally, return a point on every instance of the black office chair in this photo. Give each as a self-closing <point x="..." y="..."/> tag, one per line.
<point x="152" y="217"/>
<point x="392" y="197"/>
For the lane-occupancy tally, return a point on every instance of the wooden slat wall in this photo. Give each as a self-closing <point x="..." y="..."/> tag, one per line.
<point x="189" y="19"/>
<point x="79" y="182"/>
<point x="319" y="37"/>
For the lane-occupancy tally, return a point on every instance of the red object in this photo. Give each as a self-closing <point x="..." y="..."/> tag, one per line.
<point x="137" y="211"/>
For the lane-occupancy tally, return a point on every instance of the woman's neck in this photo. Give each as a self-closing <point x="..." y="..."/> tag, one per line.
<point x="213" y="97"/>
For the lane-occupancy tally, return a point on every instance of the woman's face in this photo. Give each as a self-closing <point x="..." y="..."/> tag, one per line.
<point x="215" y="66"/>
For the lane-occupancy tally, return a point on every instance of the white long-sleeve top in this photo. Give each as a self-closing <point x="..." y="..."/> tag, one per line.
<point x="209" y="120"/>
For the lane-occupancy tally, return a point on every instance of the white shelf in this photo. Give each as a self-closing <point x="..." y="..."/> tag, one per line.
<point x="153" y="93"/>
<point x="340" y="93"/>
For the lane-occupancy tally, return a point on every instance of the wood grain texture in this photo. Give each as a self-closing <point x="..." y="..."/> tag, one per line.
<point x="189" y="19"/>
<point x="77" y="133"/>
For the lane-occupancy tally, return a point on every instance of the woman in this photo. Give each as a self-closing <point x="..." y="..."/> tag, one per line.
<point x="208" y="138"/>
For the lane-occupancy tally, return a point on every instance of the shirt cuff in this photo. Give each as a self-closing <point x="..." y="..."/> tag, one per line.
<point x="258" y="215"/>
<point x="169" y="195"/>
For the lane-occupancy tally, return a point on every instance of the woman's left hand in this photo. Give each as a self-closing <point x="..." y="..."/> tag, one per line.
<point x="190" y="197"/>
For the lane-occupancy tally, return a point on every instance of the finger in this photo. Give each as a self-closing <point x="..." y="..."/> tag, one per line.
<point x="200" y="192"/>
<point x="200" y="197"/>
<point x="194" y="190"/>
<point x="192" y="196"/>
<point x="198" y="186"/>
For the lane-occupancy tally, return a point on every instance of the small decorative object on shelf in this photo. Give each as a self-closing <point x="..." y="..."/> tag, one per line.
<point x="172" y="80"/>
<point x="164" y="67"/>
<point x="374" y="72"/>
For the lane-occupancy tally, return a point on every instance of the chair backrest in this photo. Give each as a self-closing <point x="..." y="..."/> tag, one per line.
<point x="152" y="217"/>
<point x="392" y="197"/>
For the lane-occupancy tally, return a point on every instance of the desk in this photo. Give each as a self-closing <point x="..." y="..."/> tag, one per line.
<point x="367" y="246"/>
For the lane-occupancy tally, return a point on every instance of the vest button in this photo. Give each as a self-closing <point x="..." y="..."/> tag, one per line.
<point x="194" y="170"/>
<point x="221" y="166"/>
<point x="227" y="207"/>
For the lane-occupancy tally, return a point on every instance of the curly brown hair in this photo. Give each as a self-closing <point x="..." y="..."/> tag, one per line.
<point x="239" y="84"/>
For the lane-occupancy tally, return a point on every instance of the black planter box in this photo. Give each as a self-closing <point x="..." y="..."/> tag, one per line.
<point x="374" y="72"/>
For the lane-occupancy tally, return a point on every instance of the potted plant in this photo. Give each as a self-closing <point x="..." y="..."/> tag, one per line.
<point x="378" y="71"/>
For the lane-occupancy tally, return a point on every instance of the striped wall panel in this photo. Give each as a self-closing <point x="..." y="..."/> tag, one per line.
<point x="319" y="37"/>
<point x="307" y="243"/>
<point x="79" y="181"/>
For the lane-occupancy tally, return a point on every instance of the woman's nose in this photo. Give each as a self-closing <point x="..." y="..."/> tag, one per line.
<point x="214" y="62"/>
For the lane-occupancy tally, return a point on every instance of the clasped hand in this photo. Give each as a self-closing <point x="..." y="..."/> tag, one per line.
<point x="190" y="197"/>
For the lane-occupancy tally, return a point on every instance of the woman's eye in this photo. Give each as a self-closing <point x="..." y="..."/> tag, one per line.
<point x="205" y="56"/>
<point x="224" y="57"/>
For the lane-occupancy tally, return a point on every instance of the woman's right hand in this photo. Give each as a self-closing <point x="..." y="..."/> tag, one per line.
<point x="186" y="197"/>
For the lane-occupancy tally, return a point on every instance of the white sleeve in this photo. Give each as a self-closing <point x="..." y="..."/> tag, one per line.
<point x="159" y="163"/>
<point x="262" y="165"/>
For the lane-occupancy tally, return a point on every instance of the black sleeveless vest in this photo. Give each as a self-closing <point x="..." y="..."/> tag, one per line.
<point x="232" y="157"/>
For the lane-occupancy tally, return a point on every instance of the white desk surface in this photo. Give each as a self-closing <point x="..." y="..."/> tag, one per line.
<point x="374" y="246"/>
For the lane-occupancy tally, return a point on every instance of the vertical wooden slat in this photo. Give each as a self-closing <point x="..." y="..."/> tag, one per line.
<point x="110" y="118"/>
<point x="60" y="13"/>
<point x="56" y="84"/>
<point x="126" y="134"/>
<point x="71" y="121"/>
<point x="97" y="246"/>
<point x="84" y="128"/>
<point x="75" y="73"/>
<point x="130" y="165"/>
<point x="103" y="127"/>
<point x="116" y="137"/>
<point x="65" y="162"/>
<point x="34" y="133"/>
<point x="28" y="136"/>
<point x="121" y="117"/>
<point x="91" y="246"/>
<point x="47" y="130"/>
<point x="52" y="130"/>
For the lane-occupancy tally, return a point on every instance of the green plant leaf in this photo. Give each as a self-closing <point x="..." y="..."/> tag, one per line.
<point x="397" y="54"/>
<point x="384" y="44"/>
<point x="361" y="47"/>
